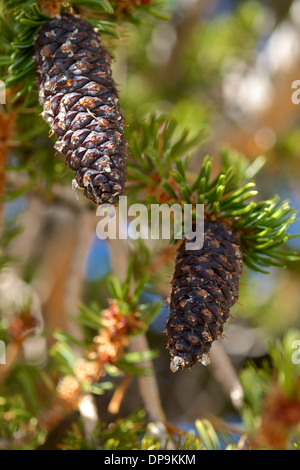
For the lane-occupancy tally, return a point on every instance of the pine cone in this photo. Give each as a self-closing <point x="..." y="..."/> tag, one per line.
<point x="205" y="286"/>
<point x="81" y="105"/>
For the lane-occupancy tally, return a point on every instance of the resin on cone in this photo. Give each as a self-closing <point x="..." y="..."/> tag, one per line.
<point x="81" y="105"/>
<point x="205" y="286"/>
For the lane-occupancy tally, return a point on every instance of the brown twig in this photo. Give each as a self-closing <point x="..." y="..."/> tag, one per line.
<point x="147" y="384"/>
<point x="226" y="375"/>
<point x="62" y="194"/>
<point x="115" y="402"/>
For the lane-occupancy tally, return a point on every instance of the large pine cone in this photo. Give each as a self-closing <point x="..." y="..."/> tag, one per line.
<point x="81" y="105"/>
<point x="205" y="286"/>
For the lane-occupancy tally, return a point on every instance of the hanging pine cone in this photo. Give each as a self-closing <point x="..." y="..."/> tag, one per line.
<point x="205" y="286"/>
<point x="81" y="105"/>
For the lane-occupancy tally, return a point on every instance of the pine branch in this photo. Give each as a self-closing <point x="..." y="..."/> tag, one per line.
<point x="104" y="353"/>
<point x="160" y="160"/>
<point x="147" y="384"/>
<point x="271" y="411"/>
<point x="22" y="20"/>
<point x="238" y="230"/>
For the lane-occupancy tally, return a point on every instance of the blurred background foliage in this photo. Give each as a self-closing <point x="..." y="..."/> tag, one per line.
<point x="228" y="66"/>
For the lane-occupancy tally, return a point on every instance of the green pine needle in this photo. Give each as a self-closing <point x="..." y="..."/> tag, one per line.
<point x="158" y="146"/>
<point x="21" y="20"/>
<point x="262" y="225"/>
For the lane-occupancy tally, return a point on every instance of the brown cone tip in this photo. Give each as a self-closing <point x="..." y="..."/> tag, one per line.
<point x="81" y="105"/>
<point x="205" y="286"/>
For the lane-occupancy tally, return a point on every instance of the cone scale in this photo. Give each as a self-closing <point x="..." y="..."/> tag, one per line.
<point x="80" y="103"/>
<point x="205" y="286"/>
